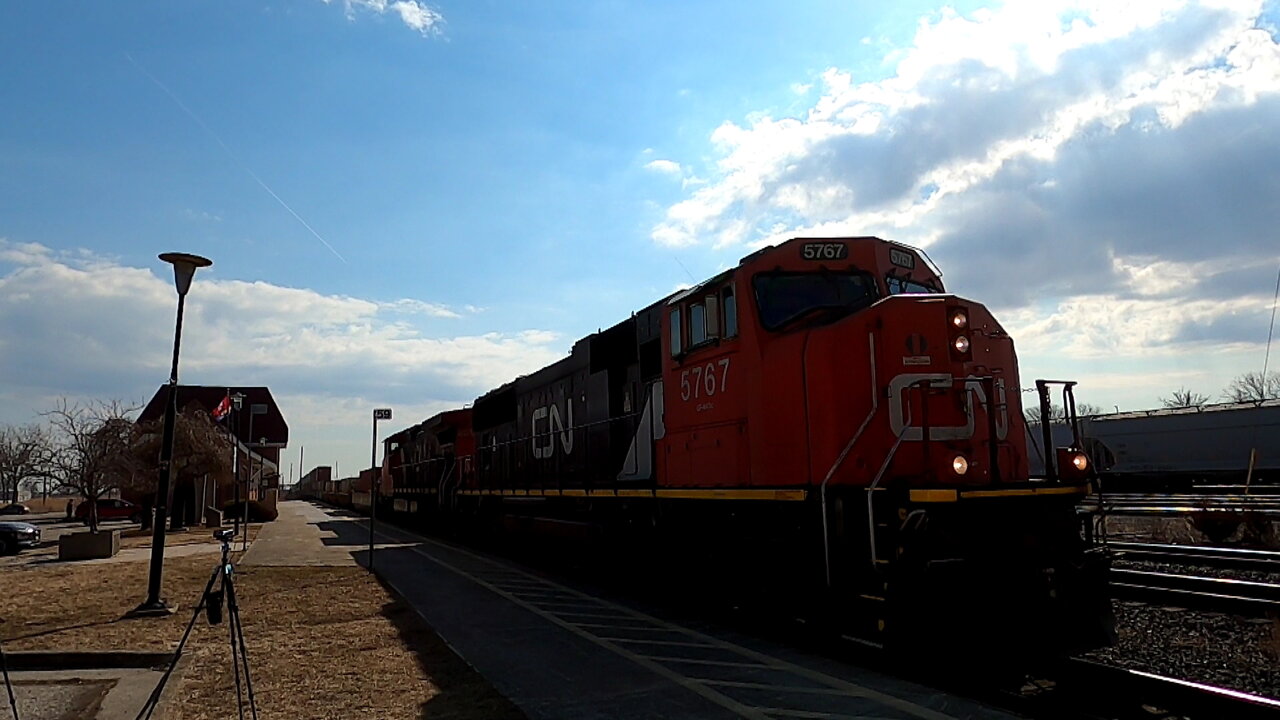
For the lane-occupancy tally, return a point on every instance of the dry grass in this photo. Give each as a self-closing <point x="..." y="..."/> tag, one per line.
<point x="322" y="642"/>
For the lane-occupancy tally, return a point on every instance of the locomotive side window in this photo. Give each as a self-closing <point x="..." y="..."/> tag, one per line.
<point x="697" y="324"/>
<point x="676" y="346"/>
<point x="730" y="312"/>
<point x="784" y="297"/>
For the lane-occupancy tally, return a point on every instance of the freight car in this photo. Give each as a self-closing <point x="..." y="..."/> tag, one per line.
<point x="1172" y="449"/>
<point x="822" y="412"/>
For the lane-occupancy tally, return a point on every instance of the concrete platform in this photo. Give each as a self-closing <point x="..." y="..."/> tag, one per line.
<point x="558" y="652"/>
<point x="115" y="694"/>
<point x="296" y="539"/>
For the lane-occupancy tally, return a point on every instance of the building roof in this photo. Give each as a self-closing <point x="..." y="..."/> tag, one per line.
<point x="270" y="429"/>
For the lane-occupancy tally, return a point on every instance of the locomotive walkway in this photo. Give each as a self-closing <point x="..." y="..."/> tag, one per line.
<point x="560" y="653"/>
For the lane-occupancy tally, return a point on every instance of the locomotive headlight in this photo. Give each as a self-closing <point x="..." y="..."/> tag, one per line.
<point x="959" y="320"/>
<point x="960" y="464"/>
<point x="961" y="344"/>
<point x="1080" y="462"/>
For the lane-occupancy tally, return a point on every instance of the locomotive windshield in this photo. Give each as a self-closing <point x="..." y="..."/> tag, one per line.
<point x="907" y="286"/>
<point x="785" y="297"/>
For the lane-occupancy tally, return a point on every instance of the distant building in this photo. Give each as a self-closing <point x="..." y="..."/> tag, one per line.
<point x="257" y="427"/>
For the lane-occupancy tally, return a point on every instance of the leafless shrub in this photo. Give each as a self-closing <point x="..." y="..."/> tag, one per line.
<point x="1253" y="387"/>
<point x="1184" y="398"/>
<point x="200" y="449"/>
<point x="24" y="459"/>
<point x="1217" y="525"/>
<point x="92" y="449"/>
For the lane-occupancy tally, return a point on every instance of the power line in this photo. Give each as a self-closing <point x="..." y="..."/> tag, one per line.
<point x="235" y="158"/>
<point x="1266" y="358"/>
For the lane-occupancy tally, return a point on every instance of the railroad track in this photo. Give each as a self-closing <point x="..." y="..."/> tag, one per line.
<point x="1107" y="686"/>
<point x="1180" y="503"/>
<point x="1242" y="597"/>
<point x="1211" y="556"/>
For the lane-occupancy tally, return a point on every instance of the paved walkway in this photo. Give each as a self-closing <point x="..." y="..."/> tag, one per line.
<point x="309" y="535"/>
<point x="562" y="654"/>
<point x="47" y="554"/>
<point x="115" y="694"/>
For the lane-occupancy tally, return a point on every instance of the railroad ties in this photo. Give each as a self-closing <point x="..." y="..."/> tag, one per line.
<point x="1218" y="594"/>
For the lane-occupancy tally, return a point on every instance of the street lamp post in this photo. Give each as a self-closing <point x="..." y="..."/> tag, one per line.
<point x="237" y="403"/>
<point x="378" y="414"/>
<point x="184" y="269"/>
<point x="254" y="409"/>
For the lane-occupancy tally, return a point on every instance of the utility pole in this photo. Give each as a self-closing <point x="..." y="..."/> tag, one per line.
<point x="378" y="414"/>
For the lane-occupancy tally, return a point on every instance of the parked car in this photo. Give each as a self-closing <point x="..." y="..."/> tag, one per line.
<point x="110" y="509"/>
<point x="15" y="509"/>
<point x="17" y="535"/>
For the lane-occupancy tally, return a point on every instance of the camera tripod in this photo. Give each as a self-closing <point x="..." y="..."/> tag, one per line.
<point x="8" y="686"/>
<point x="211" y="603"/>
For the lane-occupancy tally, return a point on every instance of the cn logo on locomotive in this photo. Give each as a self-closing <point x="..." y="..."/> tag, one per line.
<point x="913" y="431"/>
<point x="544" y="441"/>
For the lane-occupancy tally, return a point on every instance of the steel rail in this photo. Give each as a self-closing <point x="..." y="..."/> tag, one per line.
<point x="1214" y="594"/>
<point x="1180" y="504"/>
<point x="1210" y="555"/>
<point x="1187" y="498"/>
<point x="1182" y="697"/>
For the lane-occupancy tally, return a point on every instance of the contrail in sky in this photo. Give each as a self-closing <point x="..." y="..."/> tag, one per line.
<point x="233" y="156"/>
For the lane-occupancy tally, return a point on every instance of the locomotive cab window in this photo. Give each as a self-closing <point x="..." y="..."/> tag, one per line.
<point x="676" y="335"/>
<point x="785" y="297"/>
<point x="697" y="324"/>
<point x="907" y="286"/>
<point x="730" y="312"/>
<point x="709" y="317"/>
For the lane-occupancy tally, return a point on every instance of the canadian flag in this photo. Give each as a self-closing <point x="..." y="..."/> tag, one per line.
<point x="223" y="409"/>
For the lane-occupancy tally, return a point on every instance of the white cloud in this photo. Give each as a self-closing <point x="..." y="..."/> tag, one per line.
<point x="417" y="15"/>
<point x="406" y="305"/>
<point x="666" y="167"/>
<point x="1103" y="174"/>
<point x="84" y="326"/>
<point x="970" y="96"/>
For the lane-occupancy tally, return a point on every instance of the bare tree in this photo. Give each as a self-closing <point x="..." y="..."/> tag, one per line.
<point x="1183" y="398"/>
<point x="200" y="449"/>
<point x="1057" y="413"/>
<point x="1253" y="387"/>
<point x="24" y="458"/>
<point x="92" y="449"/>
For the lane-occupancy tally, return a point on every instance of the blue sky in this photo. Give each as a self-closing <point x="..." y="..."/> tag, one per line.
<point x="497" y="179"/>
<point x="435" y="166"/>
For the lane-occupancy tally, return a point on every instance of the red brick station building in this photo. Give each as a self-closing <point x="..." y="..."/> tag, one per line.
<point x="260" y="433"/>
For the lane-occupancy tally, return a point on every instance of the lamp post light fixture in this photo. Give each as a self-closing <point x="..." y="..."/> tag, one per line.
<point x="184" y="269"/>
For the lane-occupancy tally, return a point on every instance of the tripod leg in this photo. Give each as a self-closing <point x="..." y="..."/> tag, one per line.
<point x="150" y="706"/>
<point x="244" y="652"/>
<point x="233" y="613"/>
<point x="13" y="701"/>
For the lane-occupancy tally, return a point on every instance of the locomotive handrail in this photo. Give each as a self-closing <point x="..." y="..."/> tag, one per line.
<point x="871" y="512"/>
<point x="922" y="385"/>
<point x="822" y="491"/>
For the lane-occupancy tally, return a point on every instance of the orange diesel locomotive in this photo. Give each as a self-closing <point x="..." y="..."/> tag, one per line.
<point x="823" y="412"/>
